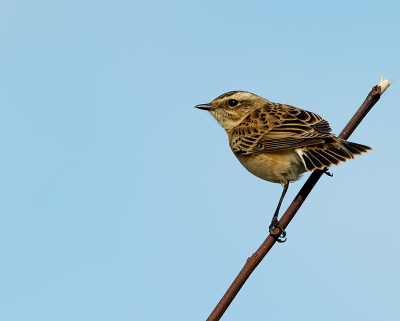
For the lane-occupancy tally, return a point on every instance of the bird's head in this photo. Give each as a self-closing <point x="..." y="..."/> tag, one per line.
<point x="231" y="108"/>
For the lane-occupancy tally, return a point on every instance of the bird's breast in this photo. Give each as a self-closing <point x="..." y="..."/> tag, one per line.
<point x="276" y="167"/>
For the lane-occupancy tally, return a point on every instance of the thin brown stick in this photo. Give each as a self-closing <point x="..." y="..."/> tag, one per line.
<point x="257" y="257"/>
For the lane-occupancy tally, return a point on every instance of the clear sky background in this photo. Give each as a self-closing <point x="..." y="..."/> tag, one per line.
<point x="120" y="201"/>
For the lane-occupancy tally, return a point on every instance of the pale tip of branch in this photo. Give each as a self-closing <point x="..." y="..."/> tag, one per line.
<point x="384" y="84"/>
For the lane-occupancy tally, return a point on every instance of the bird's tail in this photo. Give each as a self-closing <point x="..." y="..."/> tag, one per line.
<point x="324" y="155"/>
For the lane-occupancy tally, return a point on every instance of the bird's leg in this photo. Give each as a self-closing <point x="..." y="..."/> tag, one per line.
<point x="325" y="170"/>
<point x="275" y="223"/>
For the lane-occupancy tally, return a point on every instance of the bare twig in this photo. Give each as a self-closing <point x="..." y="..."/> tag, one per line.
<point x="256" y="258"/>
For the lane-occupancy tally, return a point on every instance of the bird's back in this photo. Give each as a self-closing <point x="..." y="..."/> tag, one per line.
<point x="277" y="129"/>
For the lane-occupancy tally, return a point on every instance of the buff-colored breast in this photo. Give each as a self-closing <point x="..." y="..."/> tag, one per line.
<point x="276" y="167"/>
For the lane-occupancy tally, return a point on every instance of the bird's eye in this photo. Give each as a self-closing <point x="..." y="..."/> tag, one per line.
<point x="232" y="102"/>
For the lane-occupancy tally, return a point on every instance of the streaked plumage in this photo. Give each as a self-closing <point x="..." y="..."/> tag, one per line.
<point x="278" y="142"/>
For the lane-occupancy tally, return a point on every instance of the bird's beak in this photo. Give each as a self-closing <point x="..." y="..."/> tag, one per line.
<point x="206" y="107"/>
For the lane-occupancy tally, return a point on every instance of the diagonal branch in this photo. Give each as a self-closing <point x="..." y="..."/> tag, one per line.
<point x="256" y="258"/>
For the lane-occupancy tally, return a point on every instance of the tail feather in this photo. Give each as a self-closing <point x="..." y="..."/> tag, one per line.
<point x="308" y="164"/>
<point x="319" y="157"/>
<point x="342" y="151"/>
<point x="359" y="147"/>
<point x="333" y="152"/>
<point x="315" y="159"/>
<point x="330" y="158"/>
<point x="353" y="150"/>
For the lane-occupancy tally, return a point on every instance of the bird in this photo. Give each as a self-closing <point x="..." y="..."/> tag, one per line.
<point x="278" y="142"/>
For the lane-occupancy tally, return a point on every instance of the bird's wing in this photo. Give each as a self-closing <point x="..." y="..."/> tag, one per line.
<point x="276" y="127"/>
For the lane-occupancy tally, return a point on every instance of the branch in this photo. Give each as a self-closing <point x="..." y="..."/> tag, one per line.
<point x="256" y="258"/>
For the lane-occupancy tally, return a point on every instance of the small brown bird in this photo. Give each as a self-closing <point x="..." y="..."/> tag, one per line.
<point x="277" y="142"/>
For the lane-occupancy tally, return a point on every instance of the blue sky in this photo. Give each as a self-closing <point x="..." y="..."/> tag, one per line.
<point x="120" y="201"/>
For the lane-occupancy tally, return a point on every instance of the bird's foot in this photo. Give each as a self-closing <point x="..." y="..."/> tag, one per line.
<point x="326" y="172"/>
<point x="281" y="235"/>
